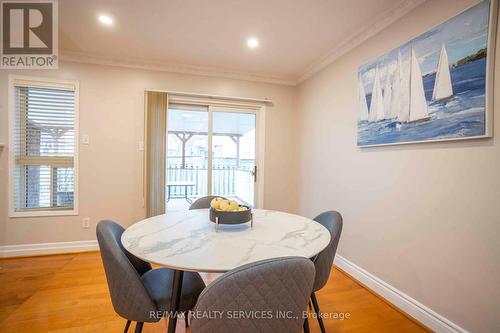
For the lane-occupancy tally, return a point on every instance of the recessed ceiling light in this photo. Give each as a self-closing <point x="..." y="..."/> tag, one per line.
<point x="106" y="20"/>
<point x="252" y="42"/>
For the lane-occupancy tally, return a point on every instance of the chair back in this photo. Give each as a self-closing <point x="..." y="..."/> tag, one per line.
<point x="204" y="202"/>
<point x="123" y="272"/>
<point x="323" y="262"/>
<point x="265" y="288"/>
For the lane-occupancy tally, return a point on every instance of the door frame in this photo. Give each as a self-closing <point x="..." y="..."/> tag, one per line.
<point x="257" y="108"/>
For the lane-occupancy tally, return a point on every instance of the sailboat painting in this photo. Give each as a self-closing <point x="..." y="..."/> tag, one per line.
<point x="437" y="86"/>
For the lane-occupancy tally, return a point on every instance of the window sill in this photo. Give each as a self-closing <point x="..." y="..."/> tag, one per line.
<point x="43" y="213"/>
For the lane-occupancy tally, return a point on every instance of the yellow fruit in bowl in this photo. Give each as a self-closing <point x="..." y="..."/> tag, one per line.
<point x="233" y="205"/>
<point x="215" y="203"/>
<point x="224" y="205"/>
<point x="242" y="208"/>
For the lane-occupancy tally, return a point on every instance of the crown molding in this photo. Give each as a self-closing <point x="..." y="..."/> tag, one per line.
<point x="87" y="58"/>
<point x="378" y="24"/>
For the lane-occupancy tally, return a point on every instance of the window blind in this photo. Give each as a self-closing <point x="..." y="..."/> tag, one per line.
<point x="44" y="147"/>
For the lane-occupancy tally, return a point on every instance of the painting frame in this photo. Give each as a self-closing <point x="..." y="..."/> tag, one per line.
<point x="489" y="80"/>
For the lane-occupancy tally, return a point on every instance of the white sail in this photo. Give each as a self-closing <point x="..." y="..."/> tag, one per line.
<point x="402" y="102"/>
<point x="418" y="104"/>
<point x="363" y="106"/>
<point x="387" y="96"/>
<point x="377" y="102"/>
<point x="442" y="85"/>
<point x="396" y="92"/>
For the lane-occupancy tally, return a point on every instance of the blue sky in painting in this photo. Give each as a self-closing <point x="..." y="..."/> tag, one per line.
<point x="462" y="35"/>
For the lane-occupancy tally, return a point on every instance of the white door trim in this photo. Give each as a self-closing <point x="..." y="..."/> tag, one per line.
<point x="210" y="150"/>
<point x="260" y="158"/>
<point x="259" y="109"/>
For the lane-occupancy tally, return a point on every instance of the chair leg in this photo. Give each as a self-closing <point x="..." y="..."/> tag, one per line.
<point x="306" y="326"/>
<point x="318" y="313"/>
<point x="138" y="327"/>
<point x="127" y="325"/>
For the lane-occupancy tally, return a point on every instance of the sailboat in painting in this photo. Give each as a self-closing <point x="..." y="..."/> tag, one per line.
<point x="442" y="86"/>
<point x="433" y="87"/>
<point x="397" y="100"/>
<point x="363" y="116"/>
<point x="377" y="102"/>
<point x="417" y="109"/>
<point x="387" y="96"/>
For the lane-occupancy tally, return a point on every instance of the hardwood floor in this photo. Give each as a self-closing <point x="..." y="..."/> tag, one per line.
<point x="68" y="293"/>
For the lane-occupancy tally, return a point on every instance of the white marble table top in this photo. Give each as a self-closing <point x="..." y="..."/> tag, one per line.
<point x="187" y="240"/>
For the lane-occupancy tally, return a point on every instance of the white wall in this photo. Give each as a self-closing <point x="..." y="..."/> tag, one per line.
<point x="424" y="217"/>
<point x="112" y="113"/>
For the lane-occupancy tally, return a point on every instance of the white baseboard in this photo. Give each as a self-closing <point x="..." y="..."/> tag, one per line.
<point x="399" y="299"/>
<point x="47" y="248"/>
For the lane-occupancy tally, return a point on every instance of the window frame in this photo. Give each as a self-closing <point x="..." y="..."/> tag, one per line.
<point x="49" y="83"/>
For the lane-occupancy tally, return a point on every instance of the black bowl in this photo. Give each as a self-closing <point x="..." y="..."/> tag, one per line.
<point x="231" y="217"/>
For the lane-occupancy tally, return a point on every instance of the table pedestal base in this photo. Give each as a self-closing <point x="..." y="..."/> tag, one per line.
<point x="175" y="300"/>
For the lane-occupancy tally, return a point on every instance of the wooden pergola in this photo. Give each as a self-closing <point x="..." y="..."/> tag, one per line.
<point x="184" y="136"/>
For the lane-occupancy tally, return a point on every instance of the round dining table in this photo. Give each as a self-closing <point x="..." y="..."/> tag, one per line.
<point x="189" y="241"/>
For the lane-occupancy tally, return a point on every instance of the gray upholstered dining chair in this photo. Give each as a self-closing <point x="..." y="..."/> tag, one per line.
<point x="266" y="289"/>
<point x="204" y="202"/>
<point x="323" y="262"/>
<point x="138" y="292"/>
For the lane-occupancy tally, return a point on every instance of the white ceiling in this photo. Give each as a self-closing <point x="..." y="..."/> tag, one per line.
<point x="297" y="37"/>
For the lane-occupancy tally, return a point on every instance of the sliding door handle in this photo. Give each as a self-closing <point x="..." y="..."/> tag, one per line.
<point x="254" y="174"/>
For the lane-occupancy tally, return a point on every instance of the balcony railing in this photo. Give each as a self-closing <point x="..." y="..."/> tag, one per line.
<point x="227" y="180"/>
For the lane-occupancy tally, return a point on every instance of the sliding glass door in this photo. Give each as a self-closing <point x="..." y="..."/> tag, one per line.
<point x="233" y="155"/>
<point x="210" y="151"/>
<point x="187" y="155"/>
